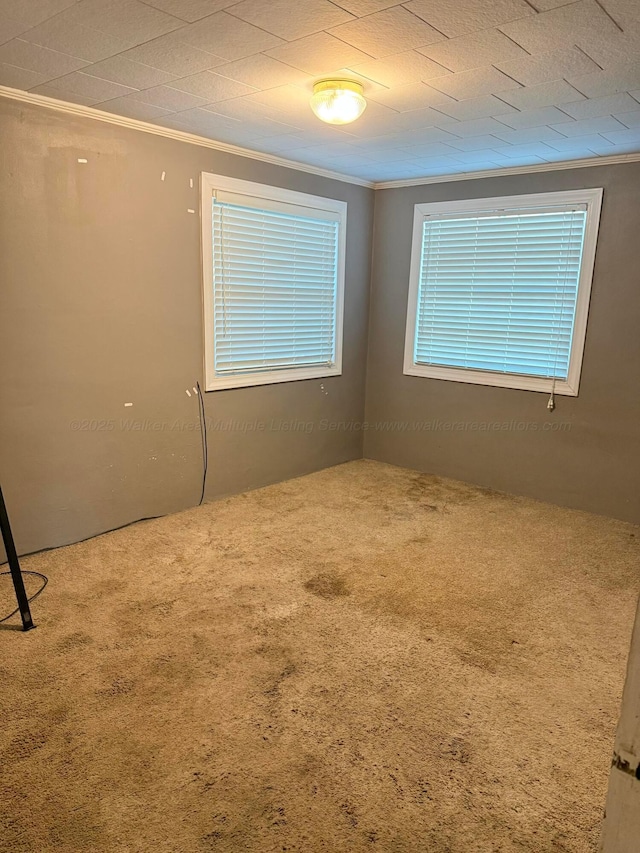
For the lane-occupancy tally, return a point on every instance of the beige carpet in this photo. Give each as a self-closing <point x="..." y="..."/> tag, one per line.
<point x="363" y="659"/>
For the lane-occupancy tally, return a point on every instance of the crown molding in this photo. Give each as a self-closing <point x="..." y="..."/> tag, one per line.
<point x="205" y="142"/>
<point x="515" y="170"/>
<point x="169" y="133"/>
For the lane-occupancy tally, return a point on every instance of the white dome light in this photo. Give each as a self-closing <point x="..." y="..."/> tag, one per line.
<point x="338" y="101"/>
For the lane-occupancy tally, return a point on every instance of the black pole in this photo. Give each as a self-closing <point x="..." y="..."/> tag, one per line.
<point x="14" y="566"/>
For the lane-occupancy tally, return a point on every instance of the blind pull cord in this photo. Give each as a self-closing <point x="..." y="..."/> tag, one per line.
<point x="551" y="404"/>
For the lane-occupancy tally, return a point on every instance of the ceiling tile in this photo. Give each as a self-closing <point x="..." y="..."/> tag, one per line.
<point x="256" y="116"/>
<point x="423" y="135"/>
<point x="344" y="163"/>
<point x="212" y="87"/>
<point x="528" y="149"/>
<point x="387" y="156"/>
<point x="380" y="144"/>
<point x="480" y="156"/>
<point x="606" y="147"/>
<point x="459" y="17"/>
<point x="544" y="95"/>
<point x="282" y="98"/>
<point x="79" y="83"/>
<point x="390" y="121"/>
<point x="32" y="12"/>
<point x="205" y="124"/>
<point x="360" y="8"/>
<point x="590" y="125"/>
<point x="482" y="107"/>
<point x="228" y="37"/>
<point x="630" y="119"/>
<point x="407" y="67"/>
<point x="87" y="43"/>
<point x="411" y="96"/>
<point x="595" y="107"/>
<point x="133" y="109"/>
<point x="325" y="133"/>
<point x="131" y="20"/>
<point x="569" y="154"/>
<point x="475" y="127"/>
<point x="545" y="5"/>
<point x="472" y="84"/>
<point x="118" y="69"/>
<point x="339" y="149"/>
<point x="578" y="143"/>
<point x="262" y="72"/>
<point x="474" y="51"/>
<point x="370" y="86"/>
<point x="318" y="54"/>
<point x="603" y="83"/>
<point x="445" y="163"/>
<point x="40" y="59"/>
<point x="476" y="143"/>
<point x="378" y="120"/>
<point x="428" y="168"/>
<point x="384" y="33"/>
<point x="417" y="120"/>
<point x="625" y="12"/>
<point x="278" y="17"/>
<point x="537" y="118"/>
<point x="357" y="157"/>
<point x="301" y="121"/>
<point x="545" y="67"/>
<point x="191" y="10"/>
<point x="528" y="134"/>
<point x="263" y="127"/>
<point x="289" y="105"/>
<point x="281" y="144"/>
<point x="624" y="135"/>
<point x="611" y="48"/>
<point x="20" y="78"/>
<point x="560" y="28"/>
<point x="170" y="54"/>
<point x="520" y="159"/>
<point x="247" y="139"/>
<point x="168" y="98"/>
<point x="431" y="149"/>
<point x="52" y="91"/>
<point x="197" y="120"/>
<point x="10" y="29"/>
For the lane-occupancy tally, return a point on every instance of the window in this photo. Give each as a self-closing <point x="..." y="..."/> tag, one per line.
<point x="499" y="290"/>
<point x="273" y="283"/>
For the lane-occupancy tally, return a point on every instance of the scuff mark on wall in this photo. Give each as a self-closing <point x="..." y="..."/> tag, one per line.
<point x="620" y="763"/>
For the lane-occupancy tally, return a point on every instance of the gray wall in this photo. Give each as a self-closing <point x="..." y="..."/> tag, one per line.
<point x="101" y="305"/>
<point x="590" y="459"/>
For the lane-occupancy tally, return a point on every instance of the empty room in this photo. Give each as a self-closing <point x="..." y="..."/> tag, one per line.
<point x="319" y="426"/>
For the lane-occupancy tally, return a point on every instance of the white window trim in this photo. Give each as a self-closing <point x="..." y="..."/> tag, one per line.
<point x="593" y="200"/>
<point x="209" y="183"/>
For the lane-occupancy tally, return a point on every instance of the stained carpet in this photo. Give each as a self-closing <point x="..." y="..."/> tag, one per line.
<point x="363" y="659"/>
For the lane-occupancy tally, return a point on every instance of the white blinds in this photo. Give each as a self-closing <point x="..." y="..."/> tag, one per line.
<point x="275" y="287"/>
<point x="497" y="291"/>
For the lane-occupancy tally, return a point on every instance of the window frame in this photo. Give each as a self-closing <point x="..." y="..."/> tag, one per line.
<point x="592" y="198"/>
<point x="209" y="184"/>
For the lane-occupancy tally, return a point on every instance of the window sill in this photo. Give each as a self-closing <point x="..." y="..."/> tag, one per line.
<point x="247" y="380"/>
<point x="497" y="380"/>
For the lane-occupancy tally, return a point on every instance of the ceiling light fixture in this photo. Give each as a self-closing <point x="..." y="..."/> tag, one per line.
<point x="338" y="101"/>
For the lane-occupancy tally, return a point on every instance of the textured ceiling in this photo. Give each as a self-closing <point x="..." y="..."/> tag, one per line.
<point x="452" y="85"/>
